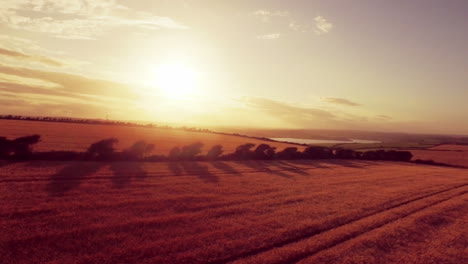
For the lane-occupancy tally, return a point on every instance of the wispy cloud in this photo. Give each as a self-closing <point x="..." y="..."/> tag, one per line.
<point x="384" y="117"/>
<point x="33" y="58"/>
<point x="268" y="15"/>
<point x="269" y="36"/>
<point x="322" y="25"/>
<point x="288" y="113"/>
<point x="293" y="25"/>
<point x="71" y="19"/>
<point x="340" y="101"/>
<point x="66" y="84"/>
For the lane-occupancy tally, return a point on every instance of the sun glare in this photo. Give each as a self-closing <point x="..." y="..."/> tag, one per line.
<point x="175" y="80"/>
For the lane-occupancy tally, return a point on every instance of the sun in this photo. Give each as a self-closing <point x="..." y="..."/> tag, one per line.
<point x="175" y="80"/>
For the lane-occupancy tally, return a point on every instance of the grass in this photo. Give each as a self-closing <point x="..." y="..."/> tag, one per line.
<point x="250" y="212"/>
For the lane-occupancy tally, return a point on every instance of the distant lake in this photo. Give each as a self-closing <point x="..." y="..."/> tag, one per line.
<point x="321" y="141"/>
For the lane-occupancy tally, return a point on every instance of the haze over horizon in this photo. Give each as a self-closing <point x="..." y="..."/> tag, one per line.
<point x="395" y="66"/>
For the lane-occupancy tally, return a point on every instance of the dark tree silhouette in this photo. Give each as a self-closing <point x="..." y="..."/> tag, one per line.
<point x="215" y="152"/>
<point x="404" y="156"/>
<point x="5" y="147"/>
<point x="264" y="152"/>
<point x="21" y="147"/>
<point x="289" y="153"/>
<point x="370" y="155"/>
<point x="314" y="152"/>
<point x="102" y="150"/>
<point x="345" y="153"/>
<point x="243" y="151"/>
<point x="174" y="154"/>
<point x="139" y="150"/>
<point x="387" y="155"/>
<point x="191" y="152"/>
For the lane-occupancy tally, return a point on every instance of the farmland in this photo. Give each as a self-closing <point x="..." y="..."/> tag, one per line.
<point x="448" y="154"/>
<point x="316" y="211"/>
<point x="78" y="137"/>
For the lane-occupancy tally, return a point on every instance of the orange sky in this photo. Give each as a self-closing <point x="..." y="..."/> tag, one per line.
<point x="395" y="66"/>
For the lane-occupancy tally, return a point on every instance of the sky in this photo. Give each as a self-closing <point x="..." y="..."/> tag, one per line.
<point x="399" y="66"/>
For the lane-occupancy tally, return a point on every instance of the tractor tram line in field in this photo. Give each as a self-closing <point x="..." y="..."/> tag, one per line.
<point x="395" y="212"/>
<point x="214" y="212"/>
<point x="341" y="234"/>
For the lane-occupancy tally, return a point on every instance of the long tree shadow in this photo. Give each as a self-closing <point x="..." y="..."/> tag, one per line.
<point x="358" y="164"/>
<point x="264" y="166"/>
<point x="319" y="164"/>
<point x="199" y="170"/>
<point x="289" y="167"/>
<point x="44" y="164"/>
<point x="175" y="168"/>
<point x="223" y="166"/>
<point x="4" y="163"/>
<point x="71" y="176"/>
<point x="124" y="172"/>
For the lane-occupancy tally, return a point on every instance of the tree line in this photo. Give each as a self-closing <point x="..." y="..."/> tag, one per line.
<point x="105" y="150"/>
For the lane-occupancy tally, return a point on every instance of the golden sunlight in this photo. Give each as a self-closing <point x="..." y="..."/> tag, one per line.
<point x="175" y="80"/>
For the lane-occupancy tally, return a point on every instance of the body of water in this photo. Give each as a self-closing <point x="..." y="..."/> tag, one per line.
<point x="322" y="141"/>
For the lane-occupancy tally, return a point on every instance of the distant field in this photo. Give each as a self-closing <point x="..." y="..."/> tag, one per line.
<point x="232" y="212"/>
<point x="384" y="145"/>
<point x="78" y="137"/>
<point x="449" y="154"/>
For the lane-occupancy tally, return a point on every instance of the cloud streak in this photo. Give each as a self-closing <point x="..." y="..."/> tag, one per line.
<point x="34" y="58"/>
<point x="70" y="84"/>
<point x="78" y="19"/>
<point x="301" y="116"/>
<point x="322" y="25"/>
<point x="268" y="15"/>
<point x="269" y="36"/>
<point x="339" y="101"/>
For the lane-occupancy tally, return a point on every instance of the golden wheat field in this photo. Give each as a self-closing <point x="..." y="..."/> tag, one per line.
<point x="78" y="137"/>
<point x="448" y="154"/>
<point x="335" y="211"/>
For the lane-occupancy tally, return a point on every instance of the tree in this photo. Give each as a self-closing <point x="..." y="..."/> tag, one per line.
<point x="243" y="151"/>
<point x="314" y="152"/>
<point x="404" y="156"/>
<point x="102" y="150"/>
<point x="174" y="154"/>
<point x="21" y="147"/>
<point x="215" y="152"/>
<point x="289" y="153"/>
<point x="139" y="150"/>
<point x="190" y="152"/>
<point x="5" y="147"/>
<point x="345" y="153"/>
<point x="264" y="152"/>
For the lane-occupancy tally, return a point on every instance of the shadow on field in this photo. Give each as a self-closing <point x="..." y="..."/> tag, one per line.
<point x="315" y="163"/>
<point x="283" y="165"/>
<point x="265" y="166"/>
<point x="225" y="167"/>
<point x="352" y="163"/>
<point x="175" y="168"/>
<point x="200" y="170"/>
<point x="71" y="177"/>
<point x="124" y="172"/>
<point x="4" y="163"/>
<point x="193" y="168"/>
